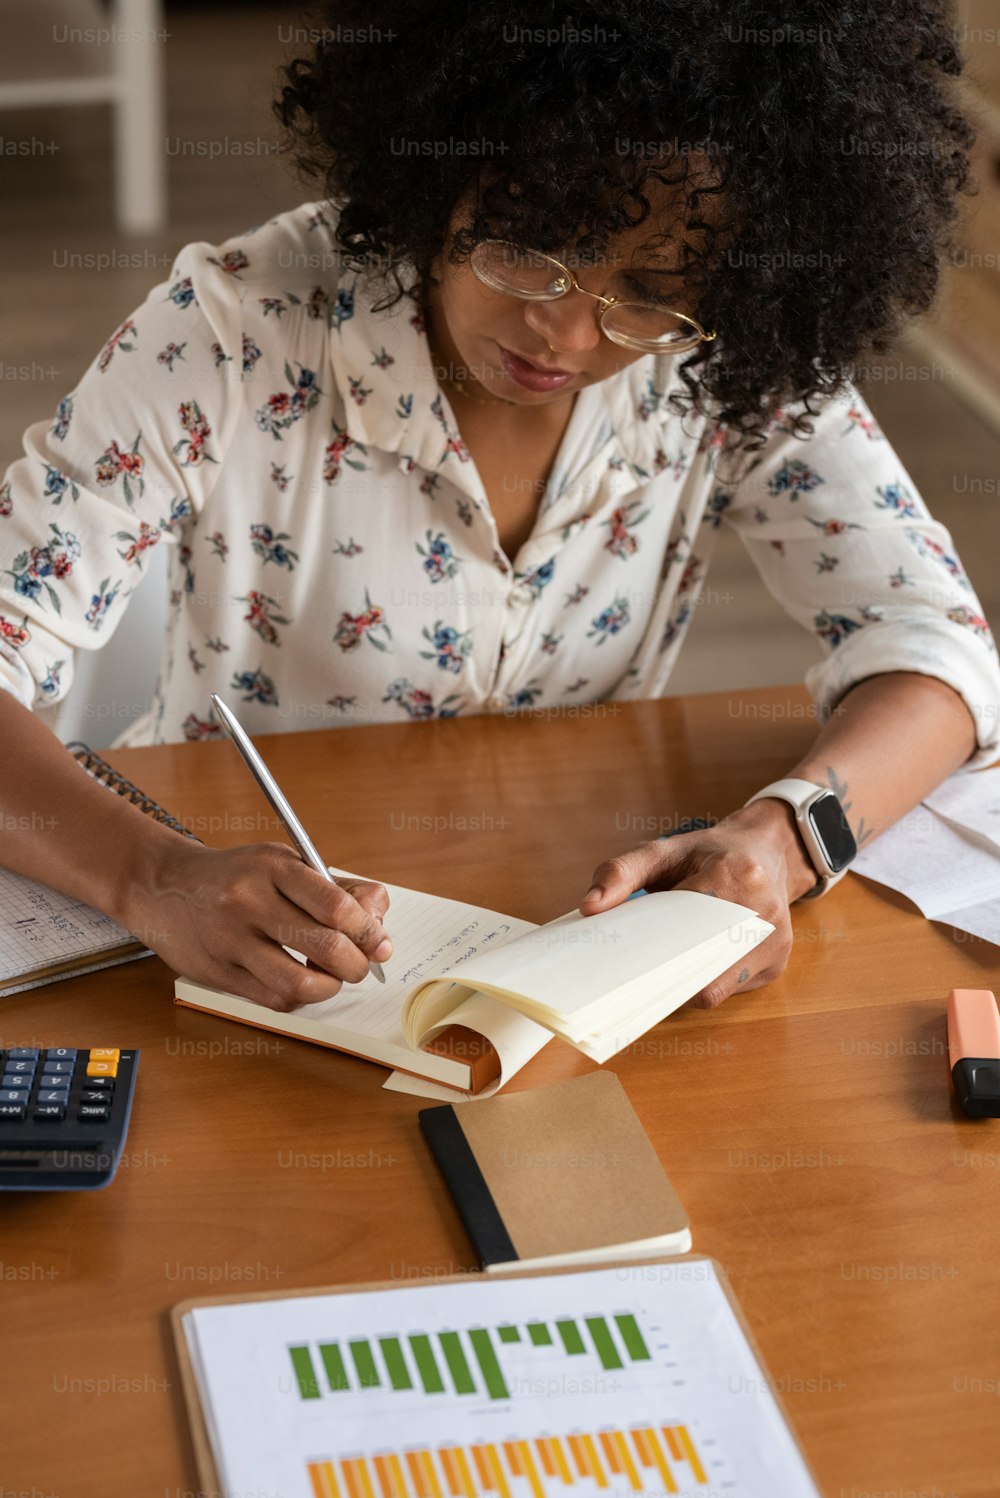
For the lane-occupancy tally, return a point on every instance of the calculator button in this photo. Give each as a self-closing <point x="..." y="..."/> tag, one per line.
<point x="102" y="1084"/>
<point x="11" y="1110"/>
<point x="15" y="1094"/>
<point x="91" y="1113"/>
<point x="12" y="1065"/>
<point x="105" y="1053"/>
<point x="23" y="1053"/>
<point x="60" y="1053"/>
<point x="88" y="1095"/>
<point x="54" y="1068"/>
<point x="48" y="1111"/>
<point x="15" y="1079"/>
<point x="102" y="1068"/>
<point x="54" y="1095"/>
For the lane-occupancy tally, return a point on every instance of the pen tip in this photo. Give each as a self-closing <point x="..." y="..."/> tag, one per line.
<point x="376" y="970"/>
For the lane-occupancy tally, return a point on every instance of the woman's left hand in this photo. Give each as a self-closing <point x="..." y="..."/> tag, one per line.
<point x="754" y="857"/>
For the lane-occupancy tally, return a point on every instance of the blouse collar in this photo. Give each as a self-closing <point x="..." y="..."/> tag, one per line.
<point x="393" y="401"/>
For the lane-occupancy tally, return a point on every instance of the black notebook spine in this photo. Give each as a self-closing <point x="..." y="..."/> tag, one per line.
<point x="109" y="776"/>
<point x="467" y="1184"/>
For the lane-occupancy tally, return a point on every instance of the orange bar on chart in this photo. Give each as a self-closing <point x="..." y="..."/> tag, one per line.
<point x="416" y="1475"/>
<point x="545" y="1455"/>
<point x="579" y="1455"/>
<point x="692" y="1456"/>
<point x="447" y="1455"/>
<point x="673" y="1444"/>
<point x="384" y="1475"/>
<point x="513" y="1457"/>
<point x="351" y="1478"/>
<point x="323" y="1480"/>
<point x="610" y="1453"/>
<point x="482" y="1466"/>
<point x="642" y="1447"/>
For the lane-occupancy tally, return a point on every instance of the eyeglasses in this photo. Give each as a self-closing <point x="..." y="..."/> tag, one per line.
<point x="535" y="277"/>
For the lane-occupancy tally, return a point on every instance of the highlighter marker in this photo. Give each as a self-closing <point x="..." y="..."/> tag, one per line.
<point x="974" y="1050"/>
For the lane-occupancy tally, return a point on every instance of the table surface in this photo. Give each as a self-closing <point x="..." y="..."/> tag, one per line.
<point x="809" y="1127"/>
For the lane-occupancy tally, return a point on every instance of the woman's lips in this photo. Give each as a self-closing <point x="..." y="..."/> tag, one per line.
<point x="533" y="376"/>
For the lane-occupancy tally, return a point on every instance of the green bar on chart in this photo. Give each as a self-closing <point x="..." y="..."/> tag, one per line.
<point x="509" y="1334"/>
<point x="635" y="1344"/>
<point x="305" y="1373"/>
<point x="427" y="1367"/>
<point x="395" y="1363"/>
<point x="604" y="1343"/>
<point x="334" y="1364"/>
<point x="364" y="1362"/>
<point x="570" y="1333"/>
<point x="491" y="1371"/>
<point x="539" y="1334"/>
<point x="457" y="1366"/>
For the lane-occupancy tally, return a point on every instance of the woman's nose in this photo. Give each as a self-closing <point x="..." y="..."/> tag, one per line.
<point x="568" y="324"/>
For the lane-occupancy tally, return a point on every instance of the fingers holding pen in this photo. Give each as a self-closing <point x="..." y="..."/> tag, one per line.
<point x="354" y="911"/>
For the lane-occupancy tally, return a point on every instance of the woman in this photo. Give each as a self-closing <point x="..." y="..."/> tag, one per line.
<point x="458" y="436"/>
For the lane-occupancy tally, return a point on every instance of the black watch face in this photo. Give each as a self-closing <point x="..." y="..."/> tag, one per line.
<point x="835" y="837"/>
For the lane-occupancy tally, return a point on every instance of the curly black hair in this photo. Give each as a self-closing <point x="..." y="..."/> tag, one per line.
<point x="816" y="161"/>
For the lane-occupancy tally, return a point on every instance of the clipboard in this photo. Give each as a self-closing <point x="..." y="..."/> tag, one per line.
<point x="208" y="1477"/>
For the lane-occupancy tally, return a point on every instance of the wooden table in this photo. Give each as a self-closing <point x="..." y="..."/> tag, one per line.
<point x="809" y="1127"/>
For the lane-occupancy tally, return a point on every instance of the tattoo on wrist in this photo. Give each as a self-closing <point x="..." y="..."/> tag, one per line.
<point x="744" y="975"/>
<point x="839" y="789"/>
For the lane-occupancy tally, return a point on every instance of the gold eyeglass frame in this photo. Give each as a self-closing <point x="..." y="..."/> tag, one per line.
<point x="643" y="345"/>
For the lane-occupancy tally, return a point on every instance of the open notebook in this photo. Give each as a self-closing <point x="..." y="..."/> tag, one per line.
<point x="46" y="935"/>
<point x="471" y="995"/>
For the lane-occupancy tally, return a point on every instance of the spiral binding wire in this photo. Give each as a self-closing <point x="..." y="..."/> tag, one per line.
<point x="109" y="776"/>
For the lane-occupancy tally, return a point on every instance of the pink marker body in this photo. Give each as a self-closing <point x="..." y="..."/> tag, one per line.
<point x="974" y="1050"/>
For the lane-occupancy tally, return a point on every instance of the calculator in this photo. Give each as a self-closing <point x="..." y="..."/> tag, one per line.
<point x="63" y="1116"/>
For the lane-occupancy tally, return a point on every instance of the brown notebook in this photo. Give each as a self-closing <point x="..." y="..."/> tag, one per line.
<point x="563" y="1175"/>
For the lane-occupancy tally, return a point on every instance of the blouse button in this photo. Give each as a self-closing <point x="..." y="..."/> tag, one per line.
<point x="518" y="597"/>
<point x="496" y="702"/>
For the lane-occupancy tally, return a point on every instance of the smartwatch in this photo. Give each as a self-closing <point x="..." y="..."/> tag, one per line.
<point x="823" y="827"/>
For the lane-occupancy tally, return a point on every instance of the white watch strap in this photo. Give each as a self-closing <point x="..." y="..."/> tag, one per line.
<point x="798" y="793"/>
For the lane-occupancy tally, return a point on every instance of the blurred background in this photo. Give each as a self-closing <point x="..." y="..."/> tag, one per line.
<point x="100" y="190"/>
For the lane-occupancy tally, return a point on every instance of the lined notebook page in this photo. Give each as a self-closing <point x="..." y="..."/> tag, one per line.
<point x="428" y="934"/>
<point x="39" y="927"/>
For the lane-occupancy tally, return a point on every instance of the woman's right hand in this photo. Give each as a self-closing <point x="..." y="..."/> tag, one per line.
<point x="221" y="916"/>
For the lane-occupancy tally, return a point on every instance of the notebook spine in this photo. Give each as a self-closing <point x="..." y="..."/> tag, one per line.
<point x="109" y="776"/>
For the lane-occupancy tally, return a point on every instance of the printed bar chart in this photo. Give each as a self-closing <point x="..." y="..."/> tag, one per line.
<point x="447" y="1363"/>
<point x="643" y="1457"/>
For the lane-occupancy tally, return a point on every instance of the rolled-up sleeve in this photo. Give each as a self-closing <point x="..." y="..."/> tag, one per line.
<point x="124" y="464"/>
<point x="841" y="538"/>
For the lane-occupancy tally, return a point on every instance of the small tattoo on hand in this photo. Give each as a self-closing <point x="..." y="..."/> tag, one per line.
<point x="744" y="975"/>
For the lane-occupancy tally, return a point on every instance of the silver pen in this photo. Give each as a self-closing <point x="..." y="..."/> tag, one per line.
<point x="278" y="801"/>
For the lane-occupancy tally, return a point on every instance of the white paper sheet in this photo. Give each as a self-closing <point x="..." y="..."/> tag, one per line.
<point x="948" y="874"/>
<point x="678" y="1359"/>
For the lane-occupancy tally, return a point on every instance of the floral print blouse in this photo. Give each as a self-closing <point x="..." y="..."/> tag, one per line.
<point x="333" y="558"/>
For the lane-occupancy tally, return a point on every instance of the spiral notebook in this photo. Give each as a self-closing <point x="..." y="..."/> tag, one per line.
<point x="45" y="935"/>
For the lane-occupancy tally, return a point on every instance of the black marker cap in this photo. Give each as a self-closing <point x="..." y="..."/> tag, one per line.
<point x="977" y="1085"/>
